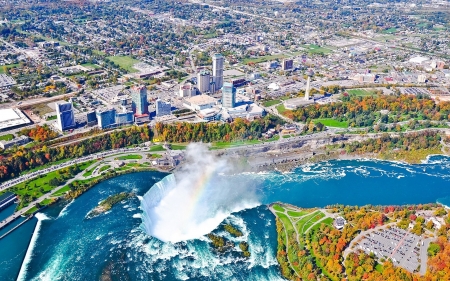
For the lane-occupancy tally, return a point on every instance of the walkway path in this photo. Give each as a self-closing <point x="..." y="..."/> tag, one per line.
<point x="294" y="220"/>
<point x="79" y="176"/>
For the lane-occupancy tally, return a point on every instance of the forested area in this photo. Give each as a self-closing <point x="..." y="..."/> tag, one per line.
<point x="39" y="133"/>
<point x="23" y="159"/>
<point x="362" y="111"/>
<point x="321" y="249"/>
<point x="239" y="129"/>
<point x="405" y="142"/>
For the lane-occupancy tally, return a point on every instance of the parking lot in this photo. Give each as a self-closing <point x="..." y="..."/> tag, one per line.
<point x="402" y="247"/>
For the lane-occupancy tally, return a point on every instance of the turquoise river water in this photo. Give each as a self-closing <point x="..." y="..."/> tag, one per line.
<point x="63" y="244"/>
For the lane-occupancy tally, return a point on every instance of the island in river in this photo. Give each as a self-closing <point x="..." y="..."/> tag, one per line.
<point x="109" y="202"/>
<point x="363" y="243"/>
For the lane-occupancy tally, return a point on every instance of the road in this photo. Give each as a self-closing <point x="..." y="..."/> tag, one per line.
<point x="35" y="101"/>
<point x="113" y="154"/>
<point x="80" y="160"/>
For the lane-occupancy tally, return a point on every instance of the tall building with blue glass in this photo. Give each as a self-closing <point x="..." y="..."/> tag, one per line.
<point x="106" y="118"/>
<point x="139" y="100"/>
<point x="228" y="95"/>
<point x="64" y="115"/>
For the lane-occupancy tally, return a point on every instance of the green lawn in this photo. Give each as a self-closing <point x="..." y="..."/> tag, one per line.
<point x="287" y="223"/>
<point x="315" y="219"/>
<point x="61" y="191"/>
<point x="361" y="92"/>
<point x="297" y="213"/>
<point x="315" y="49"/>
<point x="277" y="207"/>
<point x="390" y="30"/>
<point x="8" y="66"/>
<point x="327" y="221"/>
<point x="30" y="211"/>
<point x="281" y="109"/>
<point x="53" y="117"/>
<point x="263" y="59"/>
<point x="91" y="65"/>
<point x="124" y="62"/>
<point x="303" y="224"/>
<point x="104" y="168"/>
<point x="157" y="147"/>
<point x="271" y="102"/>
<point x="178" y="147"/>
<point x="224" y="144"/>
<point x="7" y="137"/>
<point x="332" y="123"/>
<point x="286" y="136"/>
<point x="45" y="202"/>
<point x="129" y="157"/>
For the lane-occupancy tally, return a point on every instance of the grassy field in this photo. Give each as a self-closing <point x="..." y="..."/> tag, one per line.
<point x="271" y="102"/>
<point x="7" y="137"/>
<point x="361" y="92"/>
<point x="178" y="147"/>
<point x="158" y="147"/>
<point x="303" y="224"/>
<point x="61" y="191"/>
<point x="332" y="123"/>
<point x="41" y="109"/>
<point x="287" y="223"/>
<point x="315" y="49"/>
<point x="263" y="59"/>
<point x="8" y="66"/>
<point x="278" y="208"/>
<point x="327" y="221"/>
<point x="224" y="144"/>
<point x="281" y="109"/>
<point x="129" y="157"/>
<point x="315" y="219"/>
<point x="91" y="65"/>
<point x="124" y="62"/>
<point x="104" y="168"/>
<point x="297" y="213"/>
<point x="390" y="30"/>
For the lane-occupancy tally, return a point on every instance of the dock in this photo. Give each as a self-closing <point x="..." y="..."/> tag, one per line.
<point x="16" y="227"/>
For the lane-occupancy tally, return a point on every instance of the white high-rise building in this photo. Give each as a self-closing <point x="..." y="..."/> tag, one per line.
<point x="203" y="81"/>
<point x="218" y="71"/>
<point x="65" y="116"/>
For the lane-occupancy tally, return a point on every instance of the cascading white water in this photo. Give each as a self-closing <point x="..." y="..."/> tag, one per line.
<point x="196" y="200"/>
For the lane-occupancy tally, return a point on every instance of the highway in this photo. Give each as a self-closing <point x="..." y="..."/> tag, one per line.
<point x="80" y="160"/>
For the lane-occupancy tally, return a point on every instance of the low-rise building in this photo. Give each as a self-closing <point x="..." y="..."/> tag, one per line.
<point x="200" y="102"/>
<point x="339" y="223"/>
<point x="14" y="142"/>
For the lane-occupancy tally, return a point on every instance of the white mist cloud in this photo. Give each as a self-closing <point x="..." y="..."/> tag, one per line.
<point x="195" y="200"/>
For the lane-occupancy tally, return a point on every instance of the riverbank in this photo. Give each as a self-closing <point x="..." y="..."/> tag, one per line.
<point x="323" y="243"/>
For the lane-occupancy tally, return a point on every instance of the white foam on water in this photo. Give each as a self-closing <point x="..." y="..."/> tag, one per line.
<point x="29" y="253"/>
<point x="65" y="210"/>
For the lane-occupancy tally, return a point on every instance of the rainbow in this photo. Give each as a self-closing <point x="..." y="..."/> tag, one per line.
<point x="199" y="189"/>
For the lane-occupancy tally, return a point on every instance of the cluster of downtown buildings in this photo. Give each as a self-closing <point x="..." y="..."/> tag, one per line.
<point x="133" y="107"/>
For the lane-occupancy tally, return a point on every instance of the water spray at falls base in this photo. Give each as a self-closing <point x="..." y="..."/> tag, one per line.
<point x="195" y="200"/>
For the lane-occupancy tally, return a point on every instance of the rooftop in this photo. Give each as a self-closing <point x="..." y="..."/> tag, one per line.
<point x="201" y="99"/>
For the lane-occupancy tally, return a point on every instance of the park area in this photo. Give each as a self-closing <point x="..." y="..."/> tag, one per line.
<point x="329" y="122"/>
<point x="315" y="49"/>
<point x="124" y="62"/>
<point x="361" y="92"/>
